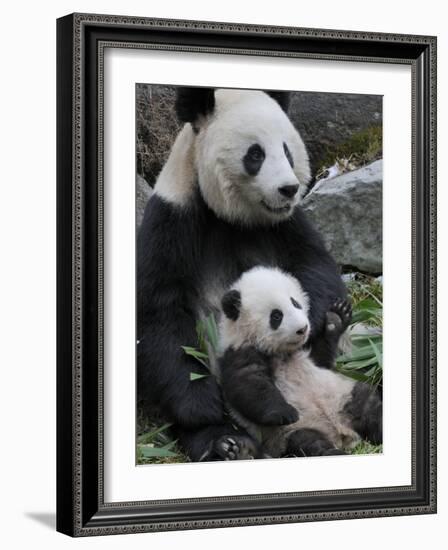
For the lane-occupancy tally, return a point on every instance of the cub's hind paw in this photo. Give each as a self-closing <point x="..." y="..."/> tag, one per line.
<point x="237" y="447"/>
<point x="280" y="417"/>
<point x="338" y="317"/>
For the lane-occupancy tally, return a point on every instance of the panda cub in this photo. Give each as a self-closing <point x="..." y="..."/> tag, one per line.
<point x="273" y="388"/>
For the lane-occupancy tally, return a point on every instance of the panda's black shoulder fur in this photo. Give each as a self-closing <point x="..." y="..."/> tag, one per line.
<point x="281" y="97"/>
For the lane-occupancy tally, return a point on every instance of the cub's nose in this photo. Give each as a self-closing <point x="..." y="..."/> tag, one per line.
<point x="288" y="191"/>
<point x="302" y="330"/>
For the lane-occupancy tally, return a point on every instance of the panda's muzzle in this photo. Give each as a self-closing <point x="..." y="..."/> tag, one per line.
<point x="278" y="210"/>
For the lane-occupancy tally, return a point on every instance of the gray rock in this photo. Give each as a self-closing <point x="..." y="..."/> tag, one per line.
<point x="347" y="210"/>
<point x="142" y="194"/>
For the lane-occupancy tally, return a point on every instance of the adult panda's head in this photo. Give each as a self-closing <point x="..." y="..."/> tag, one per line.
<point x="266" y="308"/>
<point x="250" y="161"/>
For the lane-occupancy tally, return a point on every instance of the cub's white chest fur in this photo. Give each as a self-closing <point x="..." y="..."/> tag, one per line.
<point x="319" y="395"/>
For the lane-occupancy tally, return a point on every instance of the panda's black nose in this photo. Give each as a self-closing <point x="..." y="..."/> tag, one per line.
<point x="302" y="330"/>
<point x="288" y="191"/>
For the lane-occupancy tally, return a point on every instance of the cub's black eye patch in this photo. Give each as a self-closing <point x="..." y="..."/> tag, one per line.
<point x="253" y="159"/>
<point x="295" y="303"/>
<point x="276" y="319"/>
<point x="288" y="155"/>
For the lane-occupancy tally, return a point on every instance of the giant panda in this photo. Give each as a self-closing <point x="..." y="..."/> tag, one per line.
<point x="273" y="387"/>
<point x="227" y="199"/>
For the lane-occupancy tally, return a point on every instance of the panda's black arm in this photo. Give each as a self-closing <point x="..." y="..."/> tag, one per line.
<point x="167" y="279"/>
<point x="246" y="378"/>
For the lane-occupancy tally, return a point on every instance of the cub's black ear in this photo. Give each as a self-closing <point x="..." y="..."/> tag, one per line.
<point x="231" y="304"/>
<point x="282" y="98"/>
<point x="192" y="103"/>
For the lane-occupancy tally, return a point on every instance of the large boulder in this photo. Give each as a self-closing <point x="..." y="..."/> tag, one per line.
<point x="347" y="210"/>
<point x="142" y="194"/>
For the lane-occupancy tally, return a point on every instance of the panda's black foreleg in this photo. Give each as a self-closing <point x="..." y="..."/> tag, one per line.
<point x="365" y="409"/>
<point x="324" y="345"/>
<point x="310" y="442"/>
<point x="221" y="442"/>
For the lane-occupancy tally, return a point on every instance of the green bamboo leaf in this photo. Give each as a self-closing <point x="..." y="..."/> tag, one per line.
<point x="363" y="339"/>
<point x="356" y="375"/>
<point x="149" y="436"/>
<point x="155" y="452"/>
<point x="194" y="352"/>
<point x="196" y="376"/>
<point x="198" y="355"/>
<point x="353" y="365"/>
<point x="363" y="352"/>
<point x="212" y="331"/>
<point x="170" y="445"/>
<point x="200" y="331"/>
<point x="378" y="354"/>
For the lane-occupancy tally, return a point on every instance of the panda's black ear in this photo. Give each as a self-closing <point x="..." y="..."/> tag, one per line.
<point x="282" y="98"/>
<point x="231" y="304"/>
<point x="192" y="103"/>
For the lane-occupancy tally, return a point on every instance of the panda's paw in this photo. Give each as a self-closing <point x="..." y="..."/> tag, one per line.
<point x="280" y="416"/>
<point x="338" y="317"/>
<point x="237" y="447"/>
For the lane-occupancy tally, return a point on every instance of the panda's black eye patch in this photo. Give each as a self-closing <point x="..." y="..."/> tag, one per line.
<point x="276" y="319"/>
<point x="288" y="155"/>
<point x="253" y="159"/>
<point x="295" y="303"/>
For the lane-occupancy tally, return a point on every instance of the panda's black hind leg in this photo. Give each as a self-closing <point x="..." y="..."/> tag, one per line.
<point x="365" y="409"/>
<point x="310" y="442"/>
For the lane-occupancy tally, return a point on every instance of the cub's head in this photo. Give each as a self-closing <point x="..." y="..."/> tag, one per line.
<point x="251" y="163"/>
<point x="266" y="308"/>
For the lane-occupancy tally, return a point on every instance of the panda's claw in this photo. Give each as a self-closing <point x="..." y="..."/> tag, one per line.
<point x="238" y="447"/>
<point x="339" y="316"/>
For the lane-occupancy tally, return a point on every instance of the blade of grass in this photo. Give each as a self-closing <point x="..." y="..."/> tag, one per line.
<point x="149" y="436"/>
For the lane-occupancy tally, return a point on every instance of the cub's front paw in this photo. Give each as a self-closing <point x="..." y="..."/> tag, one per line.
<point x="338" y="317"/>
<point x="280" y="417"/>
<point x="237" y="447"/>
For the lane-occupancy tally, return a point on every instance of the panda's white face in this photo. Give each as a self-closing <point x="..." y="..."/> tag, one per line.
<point x="266" y="308"/>
<point x="252" y="164"/>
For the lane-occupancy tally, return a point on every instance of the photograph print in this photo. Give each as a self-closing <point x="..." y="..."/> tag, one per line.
<point x="259" y="274"/>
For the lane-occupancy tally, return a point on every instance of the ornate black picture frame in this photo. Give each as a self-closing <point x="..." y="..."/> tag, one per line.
<point x="81" y="40"/>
